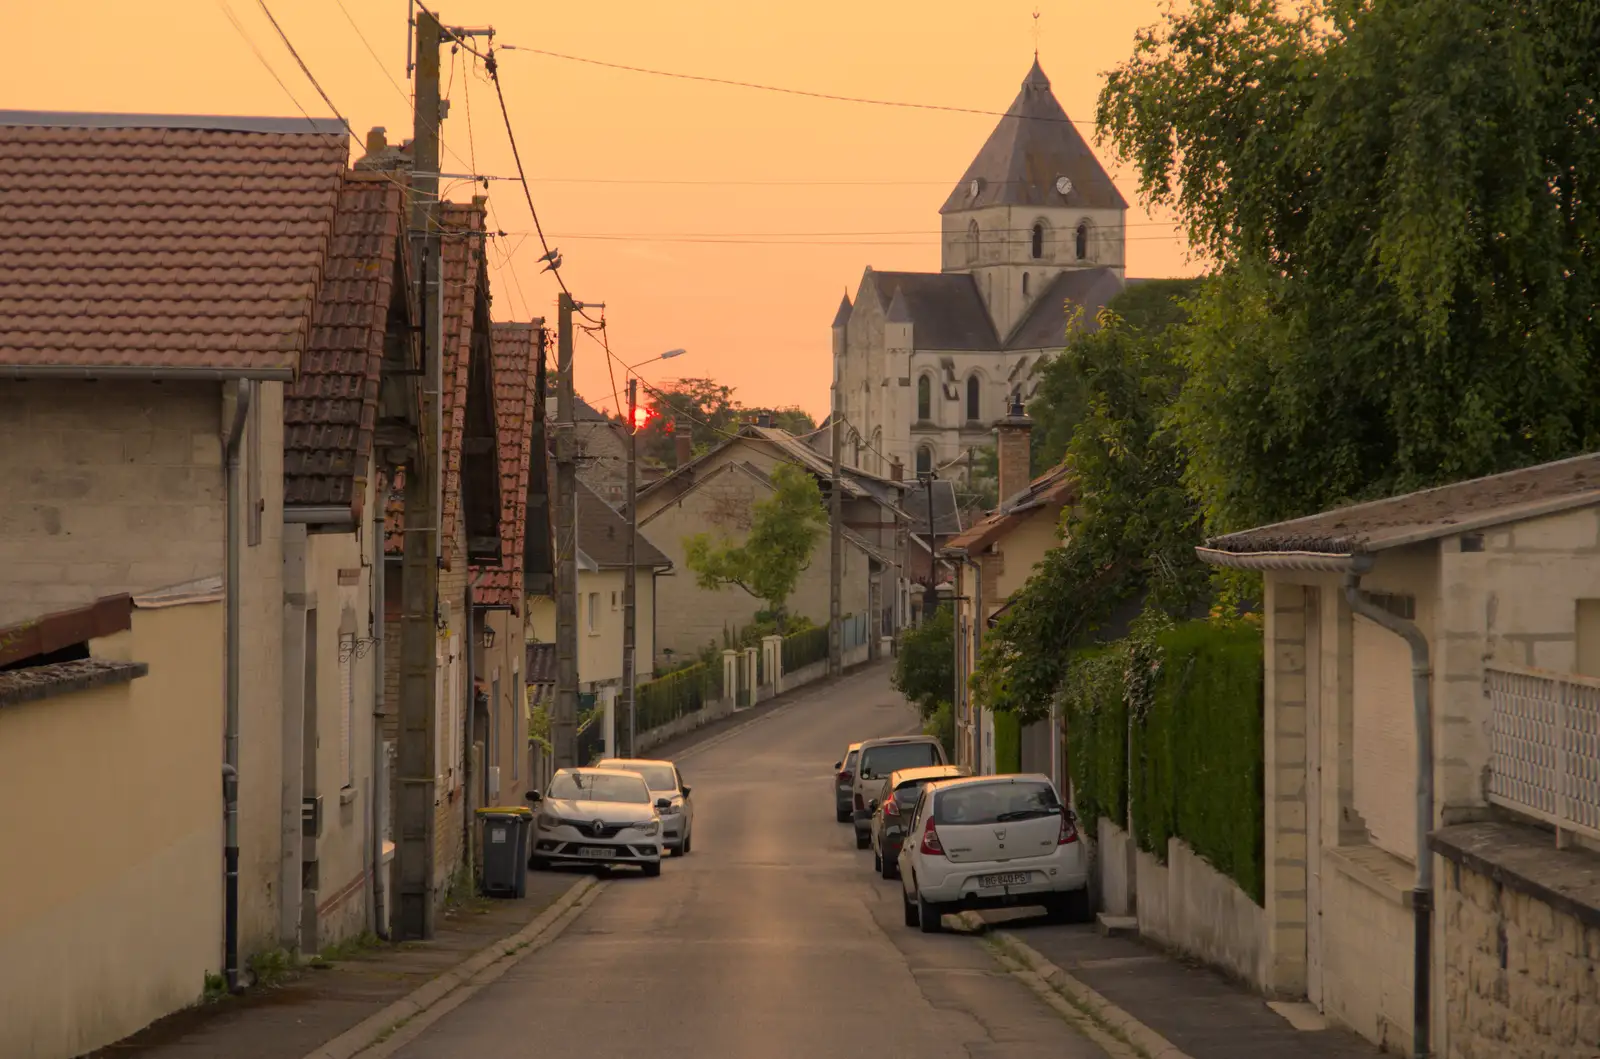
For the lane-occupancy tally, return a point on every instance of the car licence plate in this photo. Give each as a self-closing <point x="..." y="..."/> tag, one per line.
<point x="1010" y="878"/>
<point x="598" y="853"/>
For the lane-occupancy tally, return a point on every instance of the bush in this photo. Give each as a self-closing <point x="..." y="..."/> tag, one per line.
<point x="669" y="697"/>
<point x="804" y="648"/>
<point x="1097" y="733"/>
<point x="924" y="667"/>
<point x="1007" y="744"/>
<point x="942" y="723"/>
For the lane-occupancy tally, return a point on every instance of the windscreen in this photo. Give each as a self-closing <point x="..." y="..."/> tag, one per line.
<point x="659" y="777"/>
<point x="599" y="787"/>
<point x="994" y="803"/>
<point x="882" y="760"/>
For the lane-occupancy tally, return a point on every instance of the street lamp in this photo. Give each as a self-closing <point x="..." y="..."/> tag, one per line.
<point x="629" y="611"/>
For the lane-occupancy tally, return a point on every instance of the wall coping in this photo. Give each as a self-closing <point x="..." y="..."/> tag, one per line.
<point x="63" y="678"/>
<point x="1525" y="859"/>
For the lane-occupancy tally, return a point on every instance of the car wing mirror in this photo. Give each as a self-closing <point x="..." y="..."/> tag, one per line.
<point x="838" y="766"/>
<point x="685" y="788"/>
<point x="663" y="803"/>
<point x="534" y="796"/>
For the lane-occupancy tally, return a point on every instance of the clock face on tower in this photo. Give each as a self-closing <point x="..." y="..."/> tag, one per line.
<point x="1064" y="185"/>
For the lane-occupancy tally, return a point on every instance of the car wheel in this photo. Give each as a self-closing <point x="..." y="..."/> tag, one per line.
<point x="538" y="864"/>
<point x="863" y="841"/>
<point x="651" y="871"/>
<point x="929" y="917"/>
<point x="910" y="909"/>
<point x="842" y="815"/>
<point x="877" y="862"/>
<point x="684" y="851"/>
<point x="887" y="868"/>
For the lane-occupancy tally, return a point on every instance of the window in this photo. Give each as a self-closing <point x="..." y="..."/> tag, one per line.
<point x="1024" y="284"/>
<point x="882" y="760"/>
<point x="974" y="241"/>
<point x="1038" y="242"/>
<point x="994" y="803"/>
<point x="974" y="397"/>
<point x="347" y="703"/>
<point x="924" y="398"/>
<point x="455" y="729"/>
<point x="441" y="729"/>
<point x="519" y="720"/>
<point x="594" y="613"/>
<point x="924" y="460"/>
<point x="613" y="601"/>
<point x="1081" y="240"/>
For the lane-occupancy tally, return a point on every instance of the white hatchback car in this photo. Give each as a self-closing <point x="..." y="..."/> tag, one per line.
<point x="992" y="842"/>
<point x="597" y="816"/>
<point x="664" y="781"/>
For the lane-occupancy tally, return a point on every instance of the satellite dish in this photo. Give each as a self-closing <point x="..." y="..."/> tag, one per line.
<point x="1064" y="185"/>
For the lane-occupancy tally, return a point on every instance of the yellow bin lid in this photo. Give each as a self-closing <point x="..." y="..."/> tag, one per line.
<point x="503" y="810"/>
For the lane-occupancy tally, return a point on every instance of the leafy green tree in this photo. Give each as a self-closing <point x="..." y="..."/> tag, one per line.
<point x="1400" y="197"/>
<point x="784" y="529"/>
<point x="703" y="408"/>
<point x="925" y="669"/>
<point x="1129" y="535"/>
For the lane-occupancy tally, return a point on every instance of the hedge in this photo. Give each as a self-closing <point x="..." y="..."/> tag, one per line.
<point x="1007" y="744"/>
<point x="1195" y="692"/>
<point x="669" y="697"/>
<point x="805" y="647"/>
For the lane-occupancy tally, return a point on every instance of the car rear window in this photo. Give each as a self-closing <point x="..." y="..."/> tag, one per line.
<point x="883" y="760"/>
<point x="850" y="760"/>
<point x="907" y="793"/>
<point x="994" y="803"/>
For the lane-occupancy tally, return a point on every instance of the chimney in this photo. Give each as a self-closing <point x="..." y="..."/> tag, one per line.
<point x="763" y="419"/>
<point x="1011" y="446"/>
<point x="377" y="140"/>
<point x="682" y="448"/>
<point x="897" y="470"/>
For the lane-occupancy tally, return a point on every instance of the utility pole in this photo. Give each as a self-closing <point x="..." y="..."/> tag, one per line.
<point x="629" y="612"/>
<point x="564" y="726"/>
<point x="836" y="551"/>
<point x="414" y="813"/>
<point x="930" y="598"/>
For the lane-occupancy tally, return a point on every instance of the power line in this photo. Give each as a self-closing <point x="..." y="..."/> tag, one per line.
<point x="287" y="43"/>
<point x="787" y="91"/>
<point x="373" y="51"/>
<point x="758" y="241"/>
<point x="245" y="34"/>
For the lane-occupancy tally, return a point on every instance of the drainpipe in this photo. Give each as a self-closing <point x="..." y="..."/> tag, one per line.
<point x="244" y="394"/>
<point x="378" y="803"/>
<point x="468" y="777"/>
<point x="1422" y="894"/>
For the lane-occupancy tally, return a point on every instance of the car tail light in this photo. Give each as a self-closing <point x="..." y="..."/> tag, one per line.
<point x="891" y="808"/>
<point x="1069" y="830"/>
<point x="930" y="841"/>
<point x="845" y="777"/>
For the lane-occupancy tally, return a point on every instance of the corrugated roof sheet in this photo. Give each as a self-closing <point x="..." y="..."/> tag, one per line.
<point x="161" y="249"/>
<point x="515" y="348"/>
<point x="1429" y="513"/>
<point x="330" y="411"/>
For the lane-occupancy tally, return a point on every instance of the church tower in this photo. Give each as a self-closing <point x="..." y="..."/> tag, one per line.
<point x="1034" y="203"/>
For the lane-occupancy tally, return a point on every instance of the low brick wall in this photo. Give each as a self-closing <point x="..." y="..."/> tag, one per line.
<point x="1521" y="925"/>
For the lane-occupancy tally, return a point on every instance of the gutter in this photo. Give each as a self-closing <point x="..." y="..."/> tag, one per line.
<point x="1313" y="562"/>
<point x="243" y="398"/>
<point x="329" y="516"/>
<point x="378" y="805"/>
<point x="1422" y="893"/>
<point x="127" y="371"/>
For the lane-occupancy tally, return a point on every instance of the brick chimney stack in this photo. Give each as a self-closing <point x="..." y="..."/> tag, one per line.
<point x="682" y="449"/>
<point x="1012" y="447"/>
<point x="377" y="140"/>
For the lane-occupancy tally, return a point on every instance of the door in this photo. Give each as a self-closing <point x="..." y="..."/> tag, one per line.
<point x="1314" y="797"/>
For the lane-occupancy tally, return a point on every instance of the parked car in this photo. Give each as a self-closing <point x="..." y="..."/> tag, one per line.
<point x="992" y="842"/>
<point x="891" y="811"/>
<point x="597" y="816"/>
<point x="880" y="757"/>
<point x="844" y="782"/>
<point x="664" y="781"/>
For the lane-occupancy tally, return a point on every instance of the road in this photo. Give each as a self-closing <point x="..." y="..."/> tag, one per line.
<point x="773" y="939"/>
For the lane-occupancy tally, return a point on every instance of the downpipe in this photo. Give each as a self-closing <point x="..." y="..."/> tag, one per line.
<point x="244" y="396"/>
<point x="378" y="804"/>
<point x="1422" y="893"/>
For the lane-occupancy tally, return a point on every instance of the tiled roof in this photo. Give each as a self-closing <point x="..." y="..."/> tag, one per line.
<point x="330" y="411"/>
<point x="946" y="508"/>
<point x="463" y="270"/>
<point x="1029" y="150"/>
<point x="1055" y="486"/>
<point x="1429" y="513"/>
<point x="603" y="535"/>
<point x="945" y="308"/>
<point x="158" y="248"/>
<point x="515" y="347"/>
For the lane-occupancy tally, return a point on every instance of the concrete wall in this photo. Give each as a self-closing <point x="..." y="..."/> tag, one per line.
<point x="106" y="487"/>
<point x="111" y="908"/>
<point x="1184" y="904"/>
<point x="1366" y="944"/>
<point x="1522" y="979"/>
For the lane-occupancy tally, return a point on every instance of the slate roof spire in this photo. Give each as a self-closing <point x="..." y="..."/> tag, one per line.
<point x="1031" y="149"/>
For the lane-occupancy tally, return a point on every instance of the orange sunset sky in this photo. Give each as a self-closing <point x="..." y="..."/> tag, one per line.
<point x="720" y="219"/>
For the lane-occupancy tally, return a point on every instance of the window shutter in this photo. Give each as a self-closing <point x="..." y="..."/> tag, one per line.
<point x="455" y="712"/>
<point x="440" y="732"/>
<point x="347" y="700"/>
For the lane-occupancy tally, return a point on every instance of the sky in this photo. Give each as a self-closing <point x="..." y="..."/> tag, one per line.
<point x="721" y="220"/>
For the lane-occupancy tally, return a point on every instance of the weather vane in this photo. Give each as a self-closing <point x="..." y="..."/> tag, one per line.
<point x="1036" y="33"/>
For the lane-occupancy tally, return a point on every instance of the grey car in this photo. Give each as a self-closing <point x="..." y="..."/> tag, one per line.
<point x="665" y="781"/>
<point x="878" y="759"/>
<point x="891" y="812"/>
<point x="844" y="782"/>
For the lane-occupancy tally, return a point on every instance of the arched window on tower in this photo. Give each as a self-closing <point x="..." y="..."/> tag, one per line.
<point x="1024" y="284"/>
<point x="974" y="398"/>
<point x="924" y="398"/>
<point x="924" y="460"/>
<point x="1081" y="241"/>
<point x="974" y="241"/>
<point x="1038" y="240"/>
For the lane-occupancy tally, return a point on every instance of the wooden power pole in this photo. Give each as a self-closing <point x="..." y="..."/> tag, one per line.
<point x="836" y="551"/>
<point x="630" y="611"/>
<point x="565" y="723"/>
<point x="414" y="811"/>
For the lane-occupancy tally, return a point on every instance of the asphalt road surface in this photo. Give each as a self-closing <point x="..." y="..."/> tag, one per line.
<point x="773" y="939"/>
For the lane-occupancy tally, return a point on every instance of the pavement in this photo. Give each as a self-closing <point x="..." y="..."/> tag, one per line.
<point x="773" y="939"/>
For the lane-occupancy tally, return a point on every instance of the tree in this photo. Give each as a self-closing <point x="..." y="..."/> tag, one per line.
<point x="702" y="408"/>
<point x="925" y="669"/>
<point x="794" y="419"/>
<point x="784" y="529"/>
<point x="1400" y="197"/>
<point x="1129" y="535"/>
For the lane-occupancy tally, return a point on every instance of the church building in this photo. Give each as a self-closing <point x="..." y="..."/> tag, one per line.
<point x="926" y="362"/>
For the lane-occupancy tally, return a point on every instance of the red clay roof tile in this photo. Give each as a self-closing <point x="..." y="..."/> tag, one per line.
<point x="515" y="369"/>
